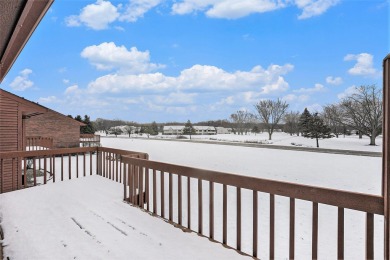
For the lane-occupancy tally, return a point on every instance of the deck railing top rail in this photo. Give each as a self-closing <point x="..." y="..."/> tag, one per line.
<point x="38" y="153"/>
<point x="345" y="199"/>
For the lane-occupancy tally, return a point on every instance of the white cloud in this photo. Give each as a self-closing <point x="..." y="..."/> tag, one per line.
<point x="22" y="82"/>
<point x="199" y="78"/>
<point x="334" y="80"/>
<point x="96" y="16"/>
<point x="293" y="97"/>
<point x="347" y="92"/>
<point x="115" y="83"/>
<point x="50" y="99"/>
<point x="72" y="89"/>
<point x="317" y="88"/>
<point x="230" y="9"/>
<point x="226" y="101"/>
<point x="72" y="21"/>
<point x="108" y="56"/>
<point x="176" y="98"/>
<point x="119" y="28"/>
<point x="233" y="9"/>
<point x="65" y="81"/>
<point x="364" y="64"/>
<point x="312" y="8"/>
<point x="137" y="8"/>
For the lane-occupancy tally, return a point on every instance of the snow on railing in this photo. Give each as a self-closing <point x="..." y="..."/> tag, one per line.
<point x="23" y="169"/>
<point x="89" y="140"/>
<point x="185" y="184"/>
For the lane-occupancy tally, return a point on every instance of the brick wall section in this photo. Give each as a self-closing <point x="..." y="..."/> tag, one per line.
<point x="64" y="131"/>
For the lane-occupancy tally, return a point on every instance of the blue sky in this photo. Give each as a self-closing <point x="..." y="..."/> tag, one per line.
<point x="161" y="60"/>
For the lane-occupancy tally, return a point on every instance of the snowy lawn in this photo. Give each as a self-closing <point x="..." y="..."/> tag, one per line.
<point x="86" y="219"/>
<point x="351" y="142"/>
<point x="345" y="172"/>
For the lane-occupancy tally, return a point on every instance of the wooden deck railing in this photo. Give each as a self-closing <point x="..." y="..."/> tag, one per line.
<point x="89" y="140"/>
<point x="110" y="163"/>
<point x="143" y="176"/>
<point x="23" y="169"/>
<point x="34" y="143"/>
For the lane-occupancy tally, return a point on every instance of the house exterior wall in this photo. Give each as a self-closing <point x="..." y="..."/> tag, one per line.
<point x="173" y="130"/>
<point x="223" y="130"/>
<point x="10" y="140"/>
<point x="64" y="131"/>
<point x="205" y="130"/>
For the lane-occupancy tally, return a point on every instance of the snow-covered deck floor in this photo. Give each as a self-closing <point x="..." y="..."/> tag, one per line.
<point x="87" y="219"/>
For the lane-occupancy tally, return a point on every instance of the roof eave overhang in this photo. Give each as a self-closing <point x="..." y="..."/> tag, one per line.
<point x="29" y="19"/>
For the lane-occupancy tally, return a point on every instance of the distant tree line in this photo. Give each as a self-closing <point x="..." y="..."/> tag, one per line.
<point x="360" y="111"/>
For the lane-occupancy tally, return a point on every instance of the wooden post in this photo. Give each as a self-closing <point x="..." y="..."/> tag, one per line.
<point x="386" y="152"/>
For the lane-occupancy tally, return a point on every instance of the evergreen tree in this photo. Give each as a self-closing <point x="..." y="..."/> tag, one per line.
<point x="318" y="129"/>
<point x="154" y="128"/>
<point x="89" y="128"/>
<point x="255" y="129"/>
<point x="304" y="121"/>
<point x="78" y="118"/>
<point x="189" y="129"/>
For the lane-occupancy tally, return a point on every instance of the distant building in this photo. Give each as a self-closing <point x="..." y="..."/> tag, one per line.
<point x="205" y="130"/>
<point x="223" y="130"/>
<point x="173" y="129"/>
<point x="179" y="129"/>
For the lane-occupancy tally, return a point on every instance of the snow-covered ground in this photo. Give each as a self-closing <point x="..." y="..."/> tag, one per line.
<point x="87" y="219"/>
<point x="351" y="142"/>
<point x="346" y="172"/>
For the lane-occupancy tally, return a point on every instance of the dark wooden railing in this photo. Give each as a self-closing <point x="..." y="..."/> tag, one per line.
<point x="89" y="140"/>
<point x="143" y="176"/>
<point x="23" y="169"/>
<point x="110" y="163"/>
<point x="34" y="143"/>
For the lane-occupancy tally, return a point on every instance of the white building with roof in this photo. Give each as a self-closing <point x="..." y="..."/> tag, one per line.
<point x="223" y="130"/>
<point x="173" y="129"/>
<point x="205" y="130"/>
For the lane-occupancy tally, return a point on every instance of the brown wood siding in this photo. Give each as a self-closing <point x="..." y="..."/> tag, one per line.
<point x="64" y="131"/>
<point x="9" y="141"/>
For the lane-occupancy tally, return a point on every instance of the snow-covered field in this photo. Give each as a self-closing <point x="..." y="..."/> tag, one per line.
<point x="351" y="142"/>
<point x="346" y="172"/>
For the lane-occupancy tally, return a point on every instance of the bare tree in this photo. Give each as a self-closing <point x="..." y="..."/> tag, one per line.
<point x="332" y="116"/>
<point x="270" y="113"/>
<point x="129" y="130"/>
<point x="240" y="119"/>
<point x="291" y="122"/>
<point x="362" y="111"/>
<point x="116" y="131"/>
